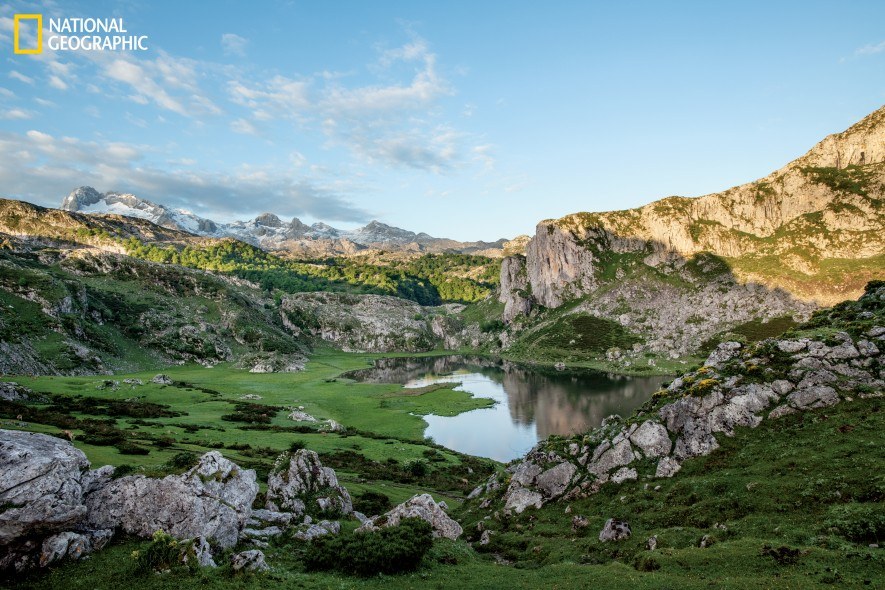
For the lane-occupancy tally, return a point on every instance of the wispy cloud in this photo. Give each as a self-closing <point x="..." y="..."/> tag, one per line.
<point x="21" y="77"/>
<point x="42" y="168"/>
<point x="16" y="114"/>
<point x="871" y="49"/>
<point x="233" y="44"/>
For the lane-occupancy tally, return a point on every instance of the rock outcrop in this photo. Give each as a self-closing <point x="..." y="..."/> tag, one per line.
<point x="42" y="482"/>
<point x="298" y="483"/>
<point x="212" y="500"/>
<point x="421" y="506"/>
<point x="739" y="386"/>
<point x="514" y="288"/>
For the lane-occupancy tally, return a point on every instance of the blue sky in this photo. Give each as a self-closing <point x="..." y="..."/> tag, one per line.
<point x="471" y="120"/>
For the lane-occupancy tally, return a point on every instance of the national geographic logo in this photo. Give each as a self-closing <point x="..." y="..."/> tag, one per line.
<point x="75" y="34"/>
<point x="16" y="34"/>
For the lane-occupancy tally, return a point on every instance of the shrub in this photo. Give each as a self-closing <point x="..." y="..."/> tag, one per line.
<point x="391" y="550"/>
<point x="163" y="553"/>
<point x="371" y="503"/>
<point x="128" y="448"/>
<point x="183" y="460"/>
<point x="859" y="522"/>
<point x="417" y="468"/>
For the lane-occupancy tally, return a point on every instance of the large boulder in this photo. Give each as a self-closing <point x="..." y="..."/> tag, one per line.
<point x="420" y="506"/>
<point x="299" y="483"/>
<point x="212" y="500"/>
<point x="42" y="479"/>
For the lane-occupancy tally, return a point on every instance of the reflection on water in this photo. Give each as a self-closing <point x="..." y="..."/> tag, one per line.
<point x="531" y="404"/>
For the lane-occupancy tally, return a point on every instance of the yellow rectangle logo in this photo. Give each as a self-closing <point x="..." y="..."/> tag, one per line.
<point x="16" y="38"/>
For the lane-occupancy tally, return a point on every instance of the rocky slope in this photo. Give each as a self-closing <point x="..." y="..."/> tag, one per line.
<point x="806" y="235"/>
<point x="269" y="232"/>
<point x="73" y="309"/>
<point x="368" y="323"/>
<point x="832" y="359"/>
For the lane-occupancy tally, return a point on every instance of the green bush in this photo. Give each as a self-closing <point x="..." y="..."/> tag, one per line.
<point x="391" y="550"/>
<point x="183" y="460"/>
<point x="164" y="553"/>
<point x="859" y="522"/>
<point x="371" y="503"/>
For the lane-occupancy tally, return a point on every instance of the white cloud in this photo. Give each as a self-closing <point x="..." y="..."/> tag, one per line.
<point x="234" y="44"/>
<point x="243" y="126"/>
<point x="871" y="49"/>
<point x="21" y="77"/>
<point x="57" y="83"/>
<point x="15" y="114"/>
<point x="42" y="168"/>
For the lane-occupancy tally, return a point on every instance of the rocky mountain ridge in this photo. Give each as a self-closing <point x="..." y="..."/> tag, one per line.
<point x="269" y="232"/>
<point x="827" y="204"/>
<point x="809" y="234"/>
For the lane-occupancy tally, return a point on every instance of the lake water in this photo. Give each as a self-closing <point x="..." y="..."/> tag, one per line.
<point x="530" y="404"/>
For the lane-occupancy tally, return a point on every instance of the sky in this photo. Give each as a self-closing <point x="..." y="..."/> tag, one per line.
<point x="463" y="119"/>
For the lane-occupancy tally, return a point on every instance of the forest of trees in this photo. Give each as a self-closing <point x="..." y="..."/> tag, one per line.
<point x="430" y="279"/>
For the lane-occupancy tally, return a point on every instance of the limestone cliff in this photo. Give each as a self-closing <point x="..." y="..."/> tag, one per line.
<point x="812" y="232"/>
<point x="784" y="230"/>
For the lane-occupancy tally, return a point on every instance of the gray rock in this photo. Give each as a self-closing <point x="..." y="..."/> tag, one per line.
<point x="652" y="438"/>
<point x="652" y="543"/>
<point x="820" y="396"/>
<point x="265" y="533"/>
<point x="262" y="516"/>
<point x="250" y="561"/>
<point x="624" y="474"/>
<point x="782" y="387"/>
<point x="615" y="456"/>
<point x="706" y="541"/>
<point x="554" y="482"/>
<point x="212" y="500"/>
<point x="867" y="348"/>
<point x="40" y="483"/>
<point x="846" y="350"/>
<point x="69" y="545"/>
<point x="614" y="530"/>
<point x="518" y="499"/>
<point x="485" y="537"/>
<point x="309" y="532"/>
<point x="203" y="553"/>
<point x="667" y="467"/>
<point x="300" y="475"/>
<point x="13" y="392"/>
<point x="792" y="346"/>
<point x="420" y="506"/>
<point x="723" y="353"/>
<point x="301" y="416"/>
<point x="162" y="379"/>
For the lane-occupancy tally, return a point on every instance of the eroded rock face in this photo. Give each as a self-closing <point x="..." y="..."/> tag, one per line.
<point x="421" y="506"/>
<point x="42" y="482"/>
<point x="298" y="478"/>
<point x="212" y="500"/>
<point x="514" y="288"/>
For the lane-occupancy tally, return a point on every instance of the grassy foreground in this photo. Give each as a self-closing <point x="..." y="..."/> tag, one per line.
<point x="143" y="427"/>
<point x="783" y="506"/>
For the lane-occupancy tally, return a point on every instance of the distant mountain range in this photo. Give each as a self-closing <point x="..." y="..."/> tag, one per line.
<point x="269" y="232"/>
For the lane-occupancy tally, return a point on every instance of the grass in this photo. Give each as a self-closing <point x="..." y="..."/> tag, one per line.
<point x="576" y="336"/>
<point x="382" y="422"/>
<point x="766" y="498"/>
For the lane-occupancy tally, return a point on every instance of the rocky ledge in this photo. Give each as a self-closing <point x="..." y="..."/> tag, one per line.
<point x="835" y="356"/>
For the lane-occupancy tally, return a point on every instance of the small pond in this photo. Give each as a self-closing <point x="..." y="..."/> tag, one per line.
<point x="531" y="404"/>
